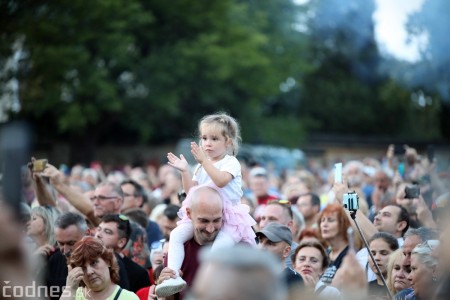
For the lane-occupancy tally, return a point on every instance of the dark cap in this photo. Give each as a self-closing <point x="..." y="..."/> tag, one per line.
<point x="276" y="233"/>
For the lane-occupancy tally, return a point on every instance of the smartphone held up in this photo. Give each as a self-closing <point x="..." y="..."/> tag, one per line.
<point x="39" y="165"/>
<point x="412" y="192"/>
<point x="338" y="173"/>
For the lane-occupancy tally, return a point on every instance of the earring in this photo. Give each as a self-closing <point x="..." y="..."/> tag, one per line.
<point x="434" y="278"/>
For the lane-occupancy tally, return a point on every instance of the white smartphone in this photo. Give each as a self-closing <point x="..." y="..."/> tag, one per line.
<point x="338" y="173"/>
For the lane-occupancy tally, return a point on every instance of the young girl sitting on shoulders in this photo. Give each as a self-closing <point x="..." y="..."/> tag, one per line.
<point x="217" y="166"/>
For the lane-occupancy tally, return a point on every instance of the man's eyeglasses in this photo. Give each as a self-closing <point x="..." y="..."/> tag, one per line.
<point x="103" y="198"/>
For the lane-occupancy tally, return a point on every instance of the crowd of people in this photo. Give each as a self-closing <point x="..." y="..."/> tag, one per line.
<point x="224" y="229"/>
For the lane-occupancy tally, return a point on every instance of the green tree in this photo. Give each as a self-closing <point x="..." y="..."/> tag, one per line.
<point x="75" y="54"/>
<point x="146" y="71"/>
<point x="340" y="94"/>
<point x="352" y="89"/>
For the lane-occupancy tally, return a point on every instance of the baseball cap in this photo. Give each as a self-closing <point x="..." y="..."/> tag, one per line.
<point x="276" y="233"/>
<point x="258" y="171"/>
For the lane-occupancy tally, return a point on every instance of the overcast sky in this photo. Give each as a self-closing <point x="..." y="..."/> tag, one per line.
<point x="390" y="18"/>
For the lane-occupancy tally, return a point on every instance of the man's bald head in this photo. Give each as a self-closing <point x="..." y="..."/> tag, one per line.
<point x="206" y="195"/>
<point x="206" y="214"/>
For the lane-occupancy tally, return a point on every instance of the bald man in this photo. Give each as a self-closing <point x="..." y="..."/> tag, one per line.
<point x="207" y="218"/>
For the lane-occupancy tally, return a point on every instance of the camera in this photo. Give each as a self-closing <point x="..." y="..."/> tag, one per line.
<point x="412" y="192"/>
<point x="350" y="201"/>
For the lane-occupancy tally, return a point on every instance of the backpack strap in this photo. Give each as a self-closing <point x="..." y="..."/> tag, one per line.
<point x="118" y="294"/>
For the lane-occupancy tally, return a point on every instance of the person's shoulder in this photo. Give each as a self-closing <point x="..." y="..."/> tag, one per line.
<point x="152" y="224"/>
<point x="80" y="294"/>
<point x="119" y="258"/>
<point x="56" y="259"/>
<point x="124" y="294"/>
<point x="230" y="159"/>
<point x="340" y="257"/>
<point x="134" y="266"/>
<point x="373" y="284"/>
<point x="56" y="254"/>
<point x="143" y="292"/>
<point x="125" y="260"/>
<point x="127" y="295"/>
<point x="291" y="276"/>
<point x="403" y="293"/>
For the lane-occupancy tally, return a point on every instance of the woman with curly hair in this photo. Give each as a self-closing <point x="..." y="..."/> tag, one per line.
<point x="94" y="273"/>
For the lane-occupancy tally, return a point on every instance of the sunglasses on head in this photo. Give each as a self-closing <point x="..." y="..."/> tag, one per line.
<point x="432" y="244"/>
<point x="123" y="217"/>
<point x="281" y="201"/>
<point x="158" y="244"/>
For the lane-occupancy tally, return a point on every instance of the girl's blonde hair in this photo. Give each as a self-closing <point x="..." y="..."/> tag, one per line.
<point x="227" y="125"/>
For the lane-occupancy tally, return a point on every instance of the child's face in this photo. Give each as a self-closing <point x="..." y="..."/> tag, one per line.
<point x="213" y="142"/>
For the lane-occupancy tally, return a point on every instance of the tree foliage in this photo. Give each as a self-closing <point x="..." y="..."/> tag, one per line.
<point x="349" y="92"/>
<point x="149" y="70"/>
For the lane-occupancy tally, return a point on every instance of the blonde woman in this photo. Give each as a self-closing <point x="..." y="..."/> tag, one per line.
<point x="397" y="273"/>
<point x="41" y="233"/>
